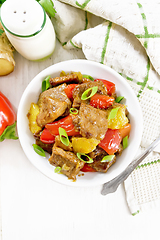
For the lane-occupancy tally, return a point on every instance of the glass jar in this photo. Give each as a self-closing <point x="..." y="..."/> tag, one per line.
<point x="28" y="28"/>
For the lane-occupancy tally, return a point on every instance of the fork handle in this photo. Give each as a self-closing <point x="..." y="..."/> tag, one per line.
<point x="111" y="186"/>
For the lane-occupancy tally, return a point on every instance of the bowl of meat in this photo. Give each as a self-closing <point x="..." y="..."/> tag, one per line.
<point x="79" y="123"/>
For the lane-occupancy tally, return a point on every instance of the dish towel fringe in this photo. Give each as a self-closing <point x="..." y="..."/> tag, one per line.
<point x="124" y="35"/>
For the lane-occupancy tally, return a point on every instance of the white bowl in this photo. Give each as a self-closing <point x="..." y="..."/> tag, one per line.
<point x="96" y="70"/>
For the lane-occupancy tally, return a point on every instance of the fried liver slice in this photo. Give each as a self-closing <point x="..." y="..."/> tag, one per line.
<point x="97" y="155"/>
<point x="51" y="109"/>
<point x="64" y="79"/>
<point x="78" y="91"/>
<point x="102" y="166"/>
<point x="92" y="121"/>
<point x="53" y="103"/>
<point x="70" y="164"/>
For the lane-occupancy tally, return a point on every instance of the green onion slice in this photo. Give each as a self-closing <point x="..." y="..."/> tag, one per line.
<point x="125" y="142"/>
<point x="113" y="113"/>
<point x="107" y="158"/>
<point x="92" y="91"/>
<point x="39" y="150"/>
<point x="90" y="160"/>
<point x="46" y="83"/>
<point x="63" y="136"/>
<point x="57" y="169"/>
<point x="119" y="99"/>
<point x="88" y="76"/>
<point x="73" y="111"/>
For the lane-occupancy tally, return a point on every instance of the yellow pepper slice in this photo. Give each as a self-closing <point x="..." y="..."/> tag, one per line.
<point x="32" y="115"/>
<point x="120" y="120"/>
<point x="84" y="145"/>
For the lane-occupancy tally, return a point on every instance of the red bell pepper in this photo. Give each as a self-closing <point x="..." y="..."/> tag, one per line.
<point x="7" y="119"/>
<point x="65" y="123"/>
<point x="69" y="90"/>
<point x="87" y="168"/>
<point x="110" y="86"/>
<point x="47" y="137"/>
<point x="111" y="141"/>
<point x="101" y="101"/>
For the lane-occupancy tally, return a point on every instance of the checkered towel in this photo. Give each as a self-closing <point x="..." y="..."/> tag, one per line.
<point x="124" y="35"/>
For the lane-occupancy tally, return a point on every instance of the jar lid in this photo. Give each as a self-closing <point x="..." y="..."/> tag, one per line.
<point x="22" y="17"/>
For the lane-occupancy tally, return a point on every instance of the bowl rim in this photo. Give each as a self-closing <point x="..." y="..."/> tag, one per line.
<point x="92" y="180"/>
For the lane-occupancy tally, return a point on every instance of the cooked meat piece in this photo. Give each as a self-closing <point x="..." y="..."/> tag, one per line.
<point x="120" y="150"/>
<point x="71" y="78"/>
<point x="53" y="103"/>
<point x="59" y="144"/>
<point x="84" y="80"/>
<point x="93" y="122"/>
<point x="55" y="93"/>
<point x="70" y="164"/>
<point x="98" y="153"/>
<point x="50" y="110"/>
<point x="76" y="120"/>
<point x="78" y="91"/>
<point x="115" y="105"/>
<point x="102" y="166"/>
<point x="44" y="146"/>
<point x="65" y="79"/>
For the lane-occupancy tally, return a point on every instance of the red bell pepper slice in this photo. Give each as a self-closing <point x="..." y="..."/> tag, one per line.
<point x="69" y="90"/>
<point x="47" y="137"/>
<point x="101" y="101"/>
<point x="87" y="168"/>
<point x="111" y="141"/>
<point x="65" y="123"/>
<point x="7" y="119"/>
<point x="111" y="88"/>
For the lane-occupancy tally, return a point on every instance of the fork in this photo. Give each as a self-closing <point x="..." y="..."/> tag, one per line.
<point x="111" y="186"/>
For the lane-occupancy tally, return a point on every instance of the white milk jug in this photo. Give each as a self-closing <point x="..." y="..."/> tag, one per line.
<point x="28" y="28"/>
